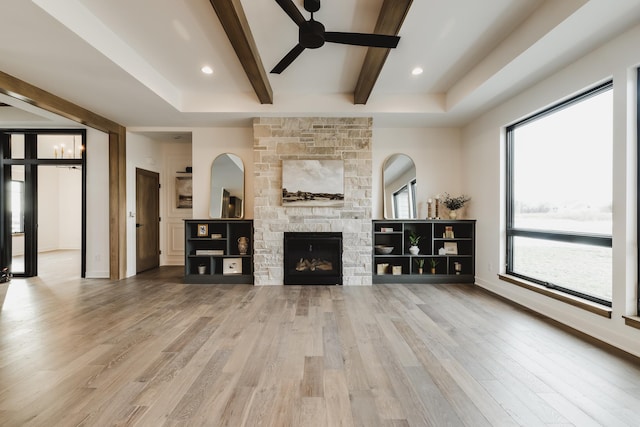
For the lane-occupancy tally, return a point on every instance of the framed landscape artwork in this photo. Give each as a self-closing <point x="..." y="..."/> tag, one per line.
<point x="312" y="183"/>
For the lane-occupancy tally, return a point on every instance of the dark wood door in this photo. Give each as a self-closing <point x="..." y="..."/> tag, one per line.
<point x="147" y="220"/>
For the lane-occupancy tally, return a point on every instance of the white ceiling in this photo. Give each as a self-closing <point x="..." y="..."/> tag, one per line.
<point x="137" y="62"/>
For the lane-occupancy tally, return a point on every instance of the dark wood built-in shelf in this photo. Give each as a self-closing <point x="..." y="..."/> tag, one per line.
<point x="432" y="232"/>
<point x="227" y="233"/>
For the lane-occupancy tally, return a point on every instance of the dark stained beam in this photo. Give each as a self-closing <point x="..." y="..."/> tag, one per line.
<point x="236" y="26"/>
<point x="19" y="89"/>
<point x="390" y="20"/>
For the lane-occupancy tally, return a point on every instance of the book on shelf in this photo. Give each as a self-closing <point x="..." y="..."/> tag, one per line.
<point x="209" y="251"/>
<point x="216" y="236"/>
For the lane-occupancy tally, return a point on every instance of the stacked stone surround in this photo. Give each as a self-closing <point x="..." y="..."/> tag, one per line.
<point x="322" y="138"/>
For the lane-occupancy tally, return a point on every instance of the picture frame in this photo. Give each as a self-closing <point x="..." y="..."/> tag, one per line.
<point x="184" y="192"/>
<point x="203" y="230"/>
<point x="451" y="248"/>
<point x="231" y="266"/>
<point x="313" y="183"/>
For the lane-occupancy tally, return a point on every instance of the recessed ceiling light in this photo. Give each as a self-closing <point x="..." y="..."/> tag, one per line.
<point x="207" y="70"/>
<point x="417" y="71"/>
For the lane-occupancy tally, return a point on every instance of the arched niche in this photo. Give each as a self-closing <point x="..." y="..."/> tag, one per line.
<point x="399" y="187"/>
<point x="227" y="187"/>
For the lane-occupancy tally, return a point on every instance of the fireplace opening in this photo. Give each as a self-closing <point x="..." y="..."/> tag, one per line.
<point x="313" y="258"/>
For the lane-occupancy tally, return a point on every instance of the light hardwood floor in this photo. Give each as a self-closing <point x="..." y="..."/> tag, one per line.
<point x="151" y="351"/>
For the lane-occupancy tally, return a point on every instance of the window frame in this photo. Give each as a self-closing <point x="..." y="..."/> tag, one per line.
<point x="592" y="239"/>
<point x="637" y="190"/>
<point x="410" y="190"/>
<point x="404" y="190"/>
<point x="22" y="205"/>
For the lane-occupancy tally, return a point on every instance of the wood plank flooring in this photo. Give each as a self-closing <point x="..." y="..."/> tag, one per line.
<point x="151" y="351"/>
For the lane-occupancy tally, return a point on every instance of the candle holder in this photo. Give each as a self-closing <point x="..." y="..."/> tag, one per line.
<point x="457" y="267"/>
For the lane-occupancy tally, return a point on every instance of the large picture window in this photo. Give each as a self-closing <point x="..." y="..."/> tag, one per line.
<point x="559" y="196"/>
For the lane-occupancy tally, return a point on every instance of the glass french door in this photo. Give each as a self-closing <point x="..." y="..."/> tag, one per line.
<point x="25" y="155"/>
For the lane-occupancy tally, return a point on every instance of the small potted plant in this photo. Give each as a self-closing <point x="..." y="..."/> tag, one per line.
<point x="454" y="203"/>
<point x="420" y="264"/>
<point x="202" y="268"/>
<point x="433" y="263"/>
<point x="414" y="239"/>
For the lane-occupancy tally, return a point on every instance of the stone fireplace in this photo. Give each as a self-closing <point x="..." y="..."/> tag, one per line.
<point x="278" y="139"/>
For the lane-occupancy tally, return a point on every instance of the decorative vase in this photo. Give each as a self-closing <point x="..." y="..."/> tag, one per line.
<point x="433" y="270"/>
<point x="243" y="245"/>
<point x="453" y="214"/>
<point x="419" y="270"/>
<point x="202" y="269"/>
<point x="414" y="250"/>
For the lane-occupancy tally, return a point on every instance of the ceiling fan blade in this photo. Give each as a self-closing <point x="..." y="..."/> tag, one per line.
<point x="288" y="59"/>
<point x="293" y="12"/>
<point x="360" y="39"/>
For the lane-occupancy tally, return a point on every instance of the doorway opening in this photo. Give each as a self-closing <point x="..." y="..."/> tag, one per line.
<point x="42" y="193"/>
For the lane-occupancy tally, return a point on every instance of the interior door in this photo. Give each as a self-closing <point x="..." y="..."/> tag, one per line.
<point x="147" y="220"/>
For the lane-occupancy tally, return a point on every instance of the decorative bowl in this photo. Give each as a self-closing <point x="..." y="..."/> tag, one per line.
<point x="383" y="250"/>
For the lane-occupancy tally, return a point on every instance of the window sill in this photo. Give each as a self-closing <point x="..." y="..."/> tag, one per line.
<point x="633" y="321"/>
<point x="592" y="307"/>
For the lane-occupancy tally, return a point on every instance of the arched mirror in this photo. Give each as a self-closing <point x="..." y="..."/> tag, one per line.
<point x="399" y="181"/>
<point x="227" y="187"/>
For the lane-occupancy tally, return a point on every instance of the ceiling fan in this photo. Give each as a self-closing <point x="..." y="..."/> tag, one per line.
<point x="311" y="34"/>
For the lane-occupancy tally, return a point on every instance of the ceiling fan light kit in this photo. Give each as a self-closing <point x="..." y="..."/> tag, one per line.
<point x="312" y="34"/>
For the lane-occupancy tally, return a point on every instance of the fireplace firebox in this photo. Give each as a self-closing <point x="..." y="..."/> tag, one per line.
<point x="312" y="258"/>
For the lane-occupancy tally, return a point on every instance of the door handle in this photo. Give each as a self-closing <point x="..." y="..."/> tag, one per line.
<point x="138" y="225"/>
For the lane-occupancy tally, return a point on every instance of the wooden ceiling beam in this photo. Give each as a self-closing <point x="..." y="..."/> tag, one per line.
<point x="236" y="26"/>
<point x="390" y="20"/>
<point x="26" y="92"/>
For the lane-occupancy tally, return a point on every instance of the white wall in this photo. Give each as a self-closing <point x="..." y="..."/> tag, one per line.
<point x="59" y="208"/>
<point x="48" y="208"/>
<point x="70" y="209"/>
<point x="436" y="153"/>
<point x="483" y="162"/>
<point x="97" y="204"/>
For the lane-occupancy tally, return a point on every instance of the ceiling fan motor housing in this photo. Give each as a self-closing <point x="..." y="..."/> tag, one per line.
<point x="311" y="35"/>
<point x="312" y="5"/>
